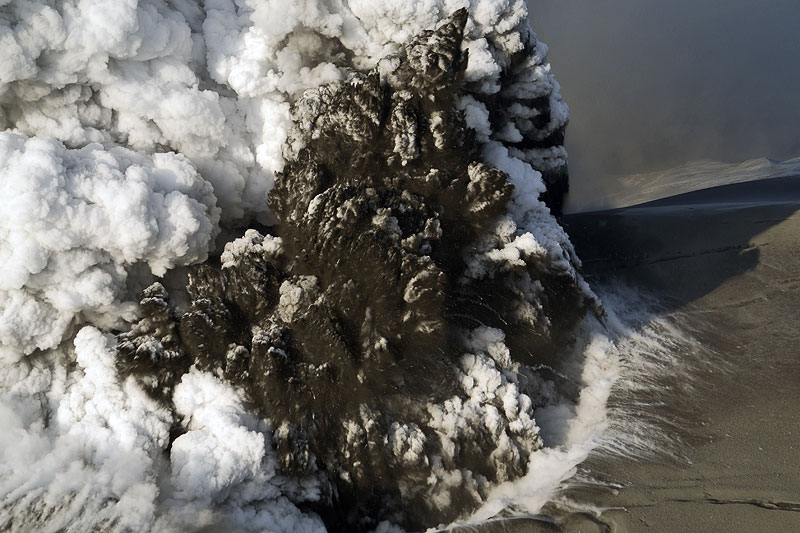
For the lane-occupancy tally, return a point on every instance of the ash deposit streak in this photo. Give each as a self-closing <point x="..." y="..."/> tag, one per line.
<point x="379" y="351"/>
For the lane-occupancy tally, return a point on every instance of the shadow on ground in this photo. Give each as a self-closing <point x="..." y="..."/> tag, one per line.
<point x="660" y="245"/>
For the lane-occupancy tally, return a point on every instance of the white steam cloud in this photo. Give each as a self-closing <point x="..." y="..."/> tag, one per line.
<point x="73" y="220"/>
<point x="100" y="459"/>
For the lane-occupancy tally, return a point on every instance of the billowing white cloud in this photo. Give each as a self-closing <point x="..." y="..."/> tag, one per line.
<point x="100" y="459"/>
<point x="225" y="462"/>
<point x="80" y="450"/>
<point x="72" y="222"/>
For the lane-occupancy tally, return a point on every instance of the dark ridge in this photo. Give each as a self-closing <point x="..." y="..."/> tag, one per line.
<point x="769" y="190"/>
<point x="346" y="327"/>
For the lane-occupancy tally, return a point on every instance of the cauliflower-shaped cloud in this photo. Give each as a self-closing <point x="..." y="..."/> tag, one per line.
<point x="129" y="129"/>
<point x="73" y="221"/>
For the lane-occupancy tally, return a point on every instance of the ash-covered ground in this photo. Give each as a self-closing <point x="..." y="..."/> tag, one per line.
<point x="373" y="348"/>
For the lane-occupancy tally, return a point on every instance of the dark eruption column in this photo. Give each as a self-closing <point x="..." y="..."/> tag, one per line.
<point x="359" y="327"/>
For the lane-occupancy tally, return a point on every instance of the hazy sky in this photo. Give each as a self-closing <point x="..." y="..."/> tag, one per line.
<point x="653" y="84"/>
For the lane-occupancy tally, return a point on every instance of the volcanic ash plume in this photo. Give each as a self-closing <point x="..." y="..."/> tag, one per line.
<point x="372" y="354"/>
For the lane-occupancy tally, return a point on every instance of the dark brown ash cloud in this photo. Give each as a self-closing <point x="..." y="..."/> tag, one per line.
<point x="392" y="285"/>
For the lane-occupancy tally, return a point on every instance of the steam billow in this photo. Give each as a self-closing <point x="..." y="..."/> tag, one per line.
<point x="371" y="352"/>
